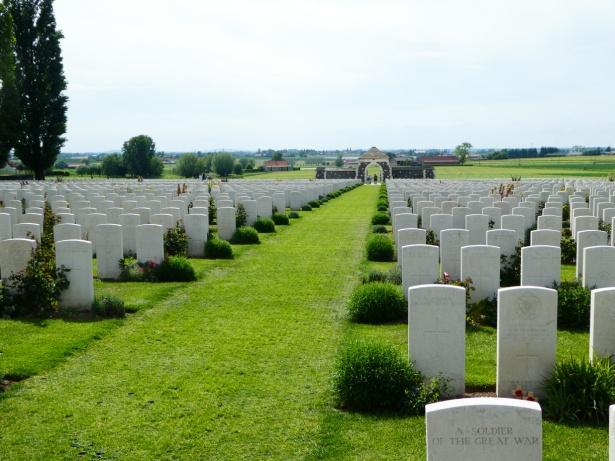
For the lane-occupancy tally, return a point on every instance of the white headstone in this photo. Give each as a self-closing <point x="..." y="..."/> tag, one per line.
<point x="419" y="265"/>
<point x="129" y="222"/>
<point x="526" y="339"/>
<point x="478" y="225"/>
<point x="436" y="328"/>
<point x="540" y="266"/>
<point x="226" y="222"/>
<point x="108" y="238"/>
<point x="76" y="255"/>
<point x="197" y="226"/>
<point x="150" y="243"/>
<point x="451" y="241"/>
<point x="15" y="255"/>
<point x="587" y="238"/>
<point x="598" y="267"/>
<point x="484" y="429"/>
<point x="409" y="236"/>
<point x="481" y="263"/>
<point x="546" y="237"/>
<point x="602" y="323"/>
<point x="66" y="231"/>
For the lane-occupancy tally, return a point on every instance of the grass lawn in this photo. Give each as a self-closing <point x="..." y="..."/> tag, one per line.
<point x="304" y="173"/>
<point x="554" y="167"/>
<point x="235" y="365"/>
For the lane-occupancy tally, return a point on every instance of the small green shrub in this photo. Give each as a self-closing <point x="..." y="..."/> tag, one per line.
<point x="483" y="312"/>
<point x="510" y="269"/>
<point x="175" y="269"/>
<point x="109" y="307"/>
<point x="380" y="229"/>
<point x="130" y="270"/>
<point x="374" y="377"/>
<point x="280" y="219"/>
<point x="566" y="212"/>
<point x="573" y="305"/>
<point x="377" y="303"/>
<point x="294" y="215"/>
<point x="264" y="226"/>
<point x="314" y="203"/>
<point x="380" y="218"/>
<point x="176" y="241"/>
<point x="306" y="208"/>
<point x="212" y="210"/>
<point x="245" y="236"/>
<point x="604" y="226"/>
<point x="382" y="202"/>
<point x="380" y="248"/>
<point x="241" y="216"/>
<point x="569" y="250"/>
<point x="392" y="276"/>
<point x="36" y="289"/>
<point x="580" y="392"/>
<point x="218" y="249"/>
<point x="431" y="238"/>
<point x="383" y="208"/>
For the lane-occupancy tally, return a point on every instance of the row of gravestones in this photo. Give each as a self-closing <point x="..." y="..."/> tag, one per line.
<point x="89" y="206"/>
<point x="526" y="333"/>
<point x="75" y="254"/>
<point x="509" y="230"/>
<point x="494" y="428"/>
<point x="91" y="224"/>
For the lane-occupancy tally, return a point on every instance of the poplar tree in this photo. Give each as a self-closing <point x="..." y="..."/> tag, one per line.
<point x="39" y="73"/>
<point x="9" y="98"/>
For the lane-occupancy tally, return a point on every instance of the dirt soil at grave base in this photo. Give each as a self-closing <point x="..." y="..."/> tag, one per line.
<point x="472" y="391"/>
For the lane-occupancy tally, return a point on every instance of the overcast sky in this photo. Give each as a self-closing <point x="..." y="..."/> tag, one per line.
<point x="226" y="74"/>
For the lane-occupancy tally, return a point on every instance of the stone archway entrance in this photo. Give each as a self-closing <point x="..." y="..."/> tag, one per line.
<point x="382" y="176"/>
<point x="374" y="157"/>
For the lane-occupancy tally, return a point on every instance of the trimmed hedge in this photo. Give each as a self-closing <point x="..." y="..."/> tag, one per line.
<point x="377" y="302"/>
<point x="280" y="219"/>
<point x="375" y="377"/>
<point x="218" y="249"/>
<point x="264" y="226"/>
<point x="380" y="217"/>
<point x="175" y="269"/>
<point x="245" y="236"/>
<point x="380" y="248"/>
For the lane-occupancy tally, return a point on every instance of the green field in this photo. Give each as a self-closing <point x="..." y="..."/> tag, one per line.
<point x="236" y="365"/>
<point x="554" y="167"/>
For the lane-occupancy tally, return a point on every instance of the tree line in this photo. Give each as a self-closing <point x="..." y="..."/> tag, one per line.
<point x="222" y="163"/>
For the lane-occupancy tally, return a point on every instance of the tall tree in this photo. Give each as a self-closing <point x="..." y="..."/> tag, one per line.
<point x="40" y="81"/>
<point x="9" y="97"/>
<point x="223" y="164"/>
<point x="462" y="151"/>
<point x="139" y="156"/>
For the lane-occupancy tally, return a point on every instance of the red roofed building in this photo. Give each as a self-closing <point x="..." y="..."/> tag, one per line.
<point x="440" y="160"/>
<point x="276" y="165"/>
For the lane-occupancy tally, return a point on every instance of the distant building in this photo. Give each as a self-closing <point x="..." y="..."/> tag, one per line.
<point x="276" y="165"/>
<point x="440" y="160"/>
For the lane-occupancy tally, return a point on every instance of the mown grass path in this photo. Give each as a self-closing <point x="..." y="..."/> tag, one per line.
<point x="236" y="365"/>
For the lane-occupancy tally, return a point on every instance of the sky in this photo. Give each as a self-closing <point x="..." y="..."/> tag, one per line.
<point x="336" y="74"/>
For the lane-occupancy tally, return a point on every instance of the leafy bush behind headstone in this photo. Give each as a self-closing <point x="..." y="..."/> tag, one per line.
<point x="579" y="391"/>
<point x="377" y="302"/>
<point x="380" y="248"/>
<point x="374" y="377"/>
